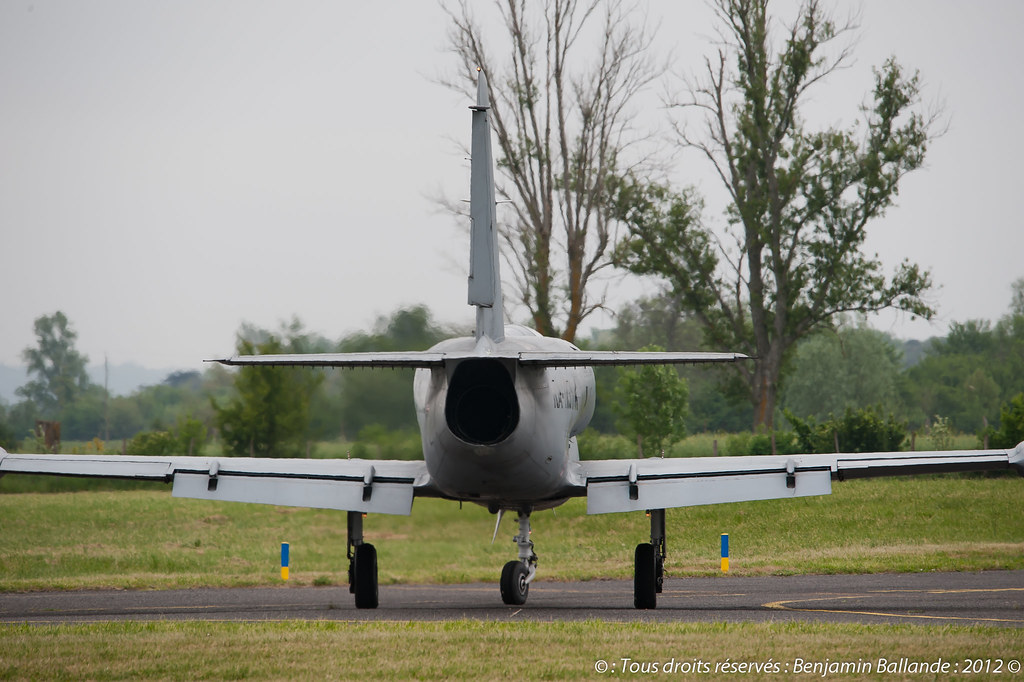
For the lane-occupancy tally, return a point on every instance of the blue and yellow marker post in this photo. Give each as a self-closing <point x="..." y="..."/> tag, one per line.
<point x="284" y="561"/>
<point x="725" y="552"/>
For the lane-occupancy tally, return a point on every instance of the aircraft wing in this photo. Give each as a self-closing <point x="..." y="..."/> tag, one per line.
<point x="417" y="359"/>
<point x="370" y="486"/>
<point x="658" y="483"/>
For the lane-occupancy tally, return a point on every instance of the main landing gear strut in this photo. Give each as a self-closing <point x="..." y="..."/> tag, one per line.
<point x="517" y="575"/>
<point x="648" y="570"/>
<point x="362" y="564"/>
<point x="649" y="564"/>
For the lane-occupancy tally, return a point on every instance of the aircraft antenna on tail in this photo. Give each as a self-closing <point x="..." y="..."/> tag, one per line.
<point x="484" y="270"/>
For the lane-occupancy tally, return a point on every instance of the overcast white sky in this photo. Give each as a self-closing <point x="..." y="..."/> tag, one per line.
<point x="169" y="170"/>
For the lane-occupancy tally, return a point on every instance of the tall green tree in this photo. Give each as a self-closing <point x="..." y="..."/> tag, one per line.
<point x="790" y="259"/>
<point x="564" y="76"/>
<point x="57" y="367"/>
<point x="1017" y="297"/>
<point x="7" y="434"/>
<point x="1011" y="424"/>
<point x="967" y="375"/>
<point x="716" y="396"/>
<point x="656" y="321"/>
<point x="652" y="406"/>
<point x="269" y="414"/>
<point x="383" y="397"/>
<point x="850" y="367"/>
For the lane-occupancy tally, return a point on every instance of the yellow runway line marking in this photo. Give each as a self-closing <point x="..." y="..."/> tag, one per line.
<point x="784" y="605"/>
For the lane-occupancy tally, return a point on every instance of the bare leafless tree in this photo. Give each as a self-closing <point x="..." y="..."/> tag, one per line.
<point x="564" y="78"/>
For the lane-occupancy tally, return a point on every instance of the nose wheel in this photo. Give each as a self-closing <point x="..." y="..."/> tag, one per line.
<point x="517" y="575"/>
<point x="514" y="587"/>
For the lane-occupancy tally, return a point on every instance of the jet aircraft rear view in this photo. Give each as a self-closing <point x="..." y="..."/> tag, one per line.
<point x="499" y="413"/>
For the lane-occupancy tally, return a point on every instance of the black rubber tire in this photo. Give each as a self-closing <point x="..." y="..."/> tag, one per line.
<point x="514" y="588"/>
<point x="365" y="560"/>
<point x="645" y="577"/>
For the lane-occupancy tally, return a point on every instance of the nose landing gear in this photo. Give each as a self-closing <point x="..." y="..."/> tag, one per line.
<point x="517" y="575"/>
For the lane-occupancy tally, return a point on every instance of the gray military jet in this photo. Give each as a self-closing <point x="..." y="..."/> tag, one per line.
<point x="498" y="414"/>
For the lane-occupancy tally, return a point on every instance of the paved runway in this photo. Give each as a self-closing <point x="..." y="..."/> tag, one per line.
<point x="987" y="598"/>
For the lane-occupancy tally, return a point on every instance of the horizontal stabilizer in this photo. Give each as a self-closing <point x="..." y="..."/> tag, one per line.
<point x="595" y="358"/>
<point x="417" y="359"/>
<point x="413" y="359"/>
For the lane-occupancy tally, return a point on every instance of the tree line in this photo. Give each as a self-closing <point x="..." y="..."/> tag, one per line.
<point x="851" y="377"/>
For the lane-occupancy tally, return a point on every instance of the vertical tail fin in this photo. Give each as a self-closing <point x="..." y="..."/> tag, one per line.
<point x="484" y="271"/>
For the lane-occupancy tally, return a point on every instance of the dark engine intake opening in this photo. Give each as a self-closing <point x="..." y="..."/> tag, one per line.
<point x="481" y="407"/>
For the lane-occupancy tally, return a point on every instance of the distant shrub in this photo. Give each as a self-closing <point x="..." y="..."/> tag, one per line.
<point x="786" y="443"/>
<point x="941" y="433"/>
<point x="186" y="438"/>
<point x="1011" y="424"/>
<point x="861" y="430"/>
<point x="596" y="445"/>
<point x="157" y="443"/>
<point x="379" y="442"/>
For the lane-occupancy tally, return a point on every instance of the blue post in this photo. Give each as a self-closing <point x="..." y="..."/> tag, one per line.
<point x="284" y="561"/>
<point x="725" y="552"/>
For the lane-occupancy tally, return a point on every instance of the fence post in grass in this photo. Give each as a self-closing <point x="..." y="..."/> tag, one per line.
<point x="284" y="561"/>
<point x="725" y="552"/>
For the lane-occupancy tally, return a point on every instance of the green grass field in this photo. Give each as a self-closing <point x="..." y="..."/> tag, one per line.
<point x="475" y="651"/>
<point x="146" y="539"/>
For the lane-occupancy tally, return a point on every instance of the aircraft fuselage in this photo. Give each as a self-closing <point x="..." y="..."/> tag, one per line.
<point x="501" y="433"/>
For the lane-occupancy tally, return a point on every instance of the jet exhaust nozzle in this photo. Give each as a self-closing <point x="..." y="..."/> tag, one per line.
<point x="481" y="407"/>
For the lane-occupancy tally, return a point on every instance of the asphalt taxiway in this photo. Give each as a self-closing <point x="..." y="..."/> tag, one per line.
<point x="989" y="598"/>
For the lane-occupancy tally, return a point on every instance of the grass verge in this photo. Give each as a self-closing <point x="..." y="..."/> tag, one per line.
<point x="147" y="539"/>
<point x="474" y="650"/>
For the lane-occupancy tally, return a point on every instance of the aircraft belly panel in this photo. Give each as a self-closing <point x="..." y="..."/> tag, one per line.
<point x="529" y="465"/>
<point x="511" y="471"/>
